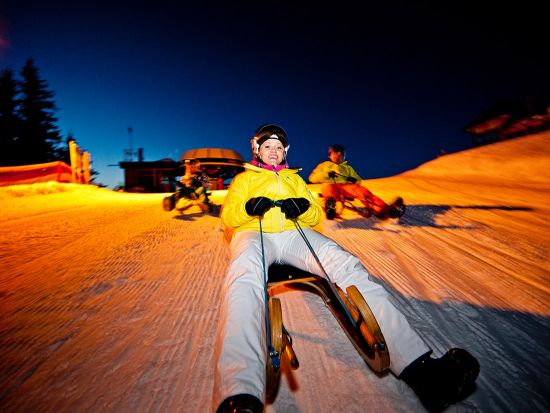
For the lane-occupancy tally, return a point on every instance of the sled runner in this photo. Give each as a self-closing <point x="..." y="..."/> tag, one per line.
<point x="395" y="209"/>
<point x="364" y="333"/>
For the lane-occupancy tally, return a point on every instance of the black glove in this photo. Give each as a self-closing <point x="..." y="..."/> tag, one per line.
<point x="294" y="207"/>
<point x="332" y="174"/>
<point x="257" y="207"/>
<point x="351" y="179"/>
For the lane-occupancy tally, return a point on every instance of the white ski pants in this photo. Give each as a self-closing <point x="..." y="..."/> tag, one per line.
<point x="242" y="348"/>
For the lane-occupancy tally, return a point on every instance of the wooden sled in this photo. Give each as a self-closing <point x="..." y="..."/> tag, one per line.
<point x="364" y="333"/>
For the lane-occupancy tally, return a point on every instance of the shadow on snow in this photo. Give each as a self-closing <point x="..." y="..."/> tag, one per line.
<point x="510" y="345"/>
<point x="423" y="216"/>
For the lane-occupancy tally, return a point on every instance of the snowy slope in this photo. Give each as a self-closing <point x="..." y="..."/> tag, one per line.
<point x="110" y="304"/>
<point x="519" y="160"/>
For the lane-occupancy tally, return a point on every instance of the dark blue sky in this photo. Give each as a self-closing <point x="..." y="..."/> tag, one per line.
<point x="393" y="83"/>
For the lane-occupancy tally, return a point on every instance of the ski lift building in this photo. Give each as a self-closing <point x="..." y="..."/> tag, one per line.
<point x="220" y="165"/>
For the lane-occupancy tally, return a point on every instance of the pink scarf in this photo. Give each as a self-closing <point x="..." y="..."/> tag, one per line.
<point x="276" y="168"/>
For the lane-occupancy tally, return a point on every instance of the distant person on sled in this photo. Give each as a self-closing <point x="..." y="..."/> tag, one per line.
<point x="340" y="181"/>
<point x="265" y="206"/>
<point x="193" y="190"/>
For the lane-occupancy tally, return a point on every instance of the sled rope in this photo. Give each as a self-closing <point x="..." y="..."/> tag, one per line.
<point x="332" y="287"/>
<point x="272" y="353"/>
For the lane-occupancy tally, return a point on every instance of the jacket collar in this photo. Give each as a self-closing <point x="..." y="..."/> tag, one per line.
<point x="341" y="163"/>
<point x="255" y="168"/>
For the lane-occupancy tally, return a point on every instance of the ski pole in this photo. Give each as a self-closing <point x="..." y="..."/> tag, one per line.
<point x="331" y="284"/>
<point x="274" y="355"/>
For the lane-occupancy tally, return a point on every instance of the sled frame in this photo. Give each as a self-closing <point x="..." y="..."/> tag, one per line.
<point x="365" y="334"/>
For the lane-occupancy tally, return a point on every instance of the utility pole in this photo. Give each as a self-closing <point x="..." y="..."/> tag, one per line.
<point x="129" y="153"/>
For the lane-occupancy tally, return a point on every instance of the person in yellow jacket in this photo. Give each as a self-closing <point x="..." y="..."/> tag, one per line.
<point x="192" y="192"/>
<point x="270" y="194"/>
<point x="340" y="181"/>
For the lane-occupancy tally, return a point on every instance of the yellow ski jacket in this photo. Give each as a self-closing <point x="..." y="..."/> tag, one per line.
<point x="255" y="182"/>
<point x="320" y="173"/>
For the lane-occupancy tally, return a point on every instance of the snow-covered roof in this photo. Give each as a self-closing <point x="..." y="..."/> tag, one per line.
<point x="211" y="156"/>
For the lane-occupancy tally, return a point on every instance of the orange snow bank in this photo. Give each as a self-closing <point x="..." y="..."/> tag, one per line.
<point x="522" y="160"/>
<point x="19" y="200"/>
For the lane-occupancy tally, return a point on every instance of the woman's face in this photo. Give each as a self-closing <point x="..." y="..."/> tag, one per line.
<point x="272" y="152"/>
